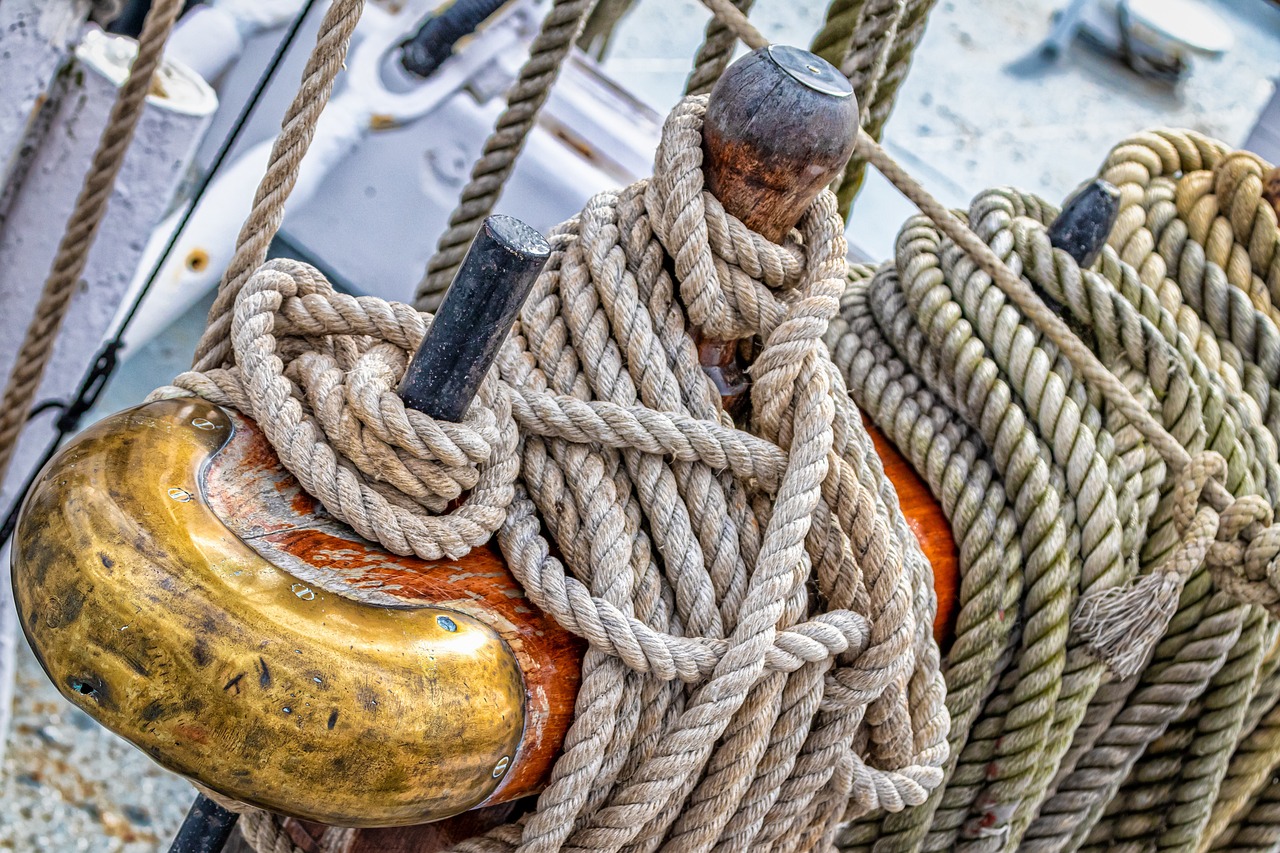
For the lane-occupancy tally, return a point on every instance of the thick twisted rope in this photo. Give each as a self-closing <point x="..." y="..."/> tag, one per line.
<point x="489" y="174"/>
<point x="713" y="54"/>
<point x="761" y="663"/>
<point x="82" y="227"/>
<point x="1191" y="725"/>
<point x="725" y="704"/>
<point x="296" y="132"/>
<point x="872" y="42"/>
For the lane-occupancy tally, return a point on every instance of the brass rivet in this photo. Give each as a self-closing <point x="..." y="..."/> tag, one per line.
<point x="503" y="763"/>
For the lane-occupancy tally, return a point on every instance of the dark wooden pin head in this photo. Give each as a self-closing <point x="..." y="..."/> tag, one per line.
<point x="477" y="312"/>
<point x="781" y="124"/>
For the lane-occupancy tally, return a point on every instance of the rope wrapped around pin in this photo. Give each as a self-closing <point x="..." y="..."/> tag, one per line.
<point x="318" y="371"/>
<point x="784" y="734"/>
<point x="761" y="659"/>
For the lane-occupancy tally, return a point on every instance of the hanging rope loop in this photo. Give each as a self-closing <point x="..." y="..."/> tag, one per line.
<point x="728" y="274"/>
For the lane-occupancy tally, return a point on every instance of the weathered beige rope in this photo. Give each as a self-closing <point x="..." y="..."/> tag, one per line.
<point x="759" y="616"/>
<point x="296" y="132"/>
<point x="489" y="173"/>
<point x="1180" y="722"/>
<point x="794" y="719"/>
<point x="713" y="54"/>
<point x="73" y="249"/>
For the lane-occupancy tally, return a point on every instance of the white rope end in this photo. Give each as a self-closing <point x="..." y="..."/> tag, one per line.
<point x="1121" y="625"/>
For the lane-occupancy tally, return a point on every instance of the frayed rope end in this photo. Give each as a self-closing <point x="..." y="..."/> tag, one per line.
<point x="1121" y="625"/>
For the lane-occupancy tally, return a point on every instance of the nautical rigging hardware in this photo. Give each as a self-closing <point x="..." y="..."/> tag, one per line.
<point x="761" y="185"/>
<point x="1076" y="404"/>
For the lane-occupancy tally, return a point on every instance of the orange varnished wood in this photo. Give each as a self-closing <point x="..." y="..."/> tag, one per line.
<point x="264" y="505"/>
<point x="930" y="525"/>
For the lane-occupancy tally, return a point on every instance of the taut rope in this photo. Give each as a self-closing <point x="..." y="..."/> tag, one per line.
<point x="82" y="226"/>
<point x="489" y="174"/>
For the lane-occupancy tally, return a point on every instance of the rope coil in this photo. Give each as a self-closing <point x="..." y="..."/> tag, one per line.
<point x="929" y="341"/>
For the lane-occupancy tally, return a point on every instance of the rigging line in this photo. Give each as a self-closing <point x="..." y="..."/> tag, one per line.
<point x="105" y="362"/>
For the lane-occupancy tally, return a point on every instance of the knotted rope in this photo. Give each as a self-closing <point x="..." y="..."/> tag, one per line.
<point x="760" y="669"/>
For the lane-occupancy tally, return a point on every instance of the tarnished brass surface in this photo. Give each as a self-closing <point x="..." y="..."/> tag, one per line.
<point x="148" y="613"/>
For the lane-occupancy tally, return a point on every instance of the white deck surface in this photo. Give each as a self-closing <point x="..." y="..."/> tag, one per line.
<point x="962" y="123"/>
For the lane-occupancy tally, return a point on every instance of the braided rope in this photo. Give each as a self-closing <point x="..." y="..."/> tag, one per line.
<point x="490" y="172"/>
<point x="82" y="227"/>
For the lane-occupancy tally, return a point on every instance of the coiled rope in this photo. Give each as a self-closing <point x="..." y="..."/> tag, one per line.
<point x="761" y="661"/>
<point x="1055" y="498"/>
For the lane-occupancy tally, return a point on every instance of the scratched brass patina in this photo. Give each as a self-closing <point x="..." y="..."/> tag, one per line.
<point x="148" y="613"/>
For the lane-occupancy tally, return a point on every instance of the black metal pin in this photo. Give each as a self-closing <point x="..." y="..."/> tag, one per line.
<point x="477" y="312"/>
<point x="205" y="829"/>
<point x="1086" y="220"/>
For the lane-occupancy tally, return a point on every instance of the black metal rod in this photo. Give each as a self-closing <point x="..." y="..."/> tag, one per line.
<point x="1086" y="220"/>
<point x="205" y="829"/>
<point x="434" y="41"/>
<point x="477" y="312"/>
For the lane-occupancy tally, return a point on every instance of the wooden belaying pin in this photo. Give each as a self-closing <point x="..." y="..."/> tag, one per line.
<point x="1086" y="220"/>
<point x="780" y="126"/>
